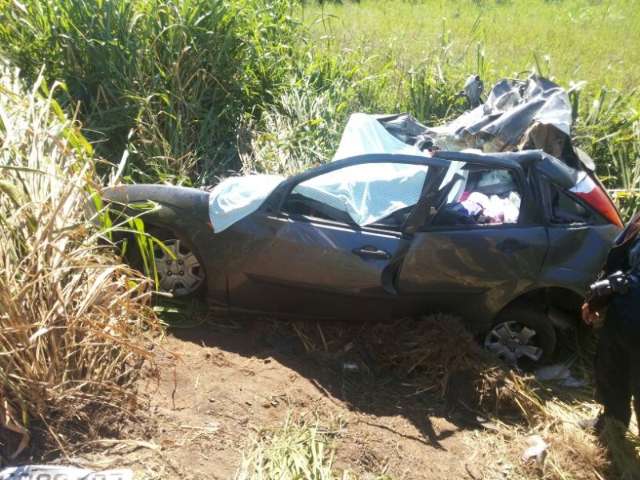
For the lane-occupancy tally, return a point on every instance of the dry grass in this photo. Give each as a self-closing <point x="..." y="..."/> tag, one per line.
<point x="301" y="448"/>
<point x="438" y="354"/>
<point x="73" y="319"/>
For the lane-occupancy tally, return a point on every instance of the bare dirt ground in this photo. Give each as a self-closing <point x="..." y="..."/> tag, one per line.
<point x="221" y="382"/>
<point x="225" y="380"/>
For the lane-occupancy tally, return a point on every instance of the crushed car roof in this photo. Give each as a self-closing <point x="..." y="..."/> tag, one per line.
<point x="517" y="116"/>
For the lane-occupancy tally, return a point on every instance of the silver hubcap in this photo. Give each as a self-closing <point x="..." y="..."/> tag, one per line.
<point x="512" y="341"/>
<point x="181" y="275"/>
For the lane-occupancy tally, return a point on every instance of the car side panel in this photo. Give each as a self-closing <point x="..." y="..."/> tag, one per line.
<point x="305" y="269"/>
<point x="473" y="272"/>
<point x="576" y="255"/>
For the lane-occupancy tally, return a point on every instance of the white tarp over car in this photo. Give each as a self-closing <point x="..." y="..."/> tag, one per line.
<point x="236" y="197"/>
<point x="366" y="192"/>
<point x="364" y="134"/>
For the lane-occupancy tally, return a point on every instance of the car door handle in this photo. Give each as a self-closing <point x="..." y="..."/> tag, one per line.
<point x="369" y="251"/>
<point x="511" y="245"/>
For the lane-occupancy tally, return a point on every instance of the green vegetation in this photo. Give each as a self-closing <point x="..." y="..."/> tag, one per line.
<point x="571" y="40"/>
<point x="169" y="82"/>
<point x="189" y="91"/>
<point x="186" y="91"/>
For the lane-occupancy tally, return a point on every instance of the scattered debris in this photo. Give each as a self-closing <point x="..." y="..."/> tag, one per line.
<point x="572" y="382"/>
<point x="473" y="88"/>
<point x="350" y="366"/>
<point x="537" y="449"/>
<point x="559" y="372"/>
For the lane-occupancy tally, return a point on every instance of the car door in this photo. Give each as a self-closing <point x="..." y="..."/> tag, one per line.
<point x="465" y="264"/>
<point x="322" y="248"/>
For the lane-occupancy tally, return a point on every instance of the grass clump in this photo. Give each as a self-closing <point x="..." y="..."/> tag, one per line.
<point x="74" y="321"/>
<point x="301" y="448"/>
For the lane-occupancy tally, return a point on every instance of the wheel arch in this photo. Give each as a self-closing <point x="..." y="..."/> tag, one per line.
<point x="560" y="304"/>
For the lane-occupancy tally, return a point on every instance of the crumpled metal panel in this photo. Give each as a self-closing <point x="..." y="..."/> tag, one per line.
<point x="517" y="115"/>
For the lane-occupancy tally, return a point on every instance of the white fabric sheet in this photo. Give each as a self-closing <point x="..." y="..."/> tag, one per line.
<point x="366" y="192"/>
<point x="364" y="134"/>
<point x="236" y="197"/>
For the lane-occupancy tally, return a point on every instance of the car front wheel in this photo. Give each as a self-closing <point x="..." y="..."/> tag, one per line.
<point x="523" y="338"/>
<point x="179" y="269"/>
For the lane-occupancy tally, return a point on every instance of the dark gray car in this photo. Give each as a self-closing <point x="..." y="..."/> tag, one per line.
<point x="515" y="275"/>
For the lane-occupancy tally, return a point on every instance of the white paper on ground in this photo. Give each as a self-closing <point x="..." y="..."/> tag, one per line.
<point x="537" y="449"/>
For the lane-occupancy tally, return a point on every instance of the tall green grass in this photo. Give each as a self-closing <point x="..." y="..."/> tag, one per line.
<point x="166" y="80"/>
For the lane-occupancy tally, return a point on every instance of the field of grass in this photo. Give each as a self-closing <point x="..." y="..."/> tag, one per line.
<point x="569" y="40"/>
<point x="410" y="50"/>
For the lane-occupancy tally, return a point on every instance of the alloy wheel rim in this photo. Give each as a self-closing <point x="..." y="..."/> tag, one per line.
<point x="513" y="342"/>
<point x="179" y="273"/>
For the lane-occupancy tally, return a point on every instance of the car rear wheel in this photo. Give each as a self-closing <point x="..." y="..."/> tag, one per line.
<point x="522" y="337"/>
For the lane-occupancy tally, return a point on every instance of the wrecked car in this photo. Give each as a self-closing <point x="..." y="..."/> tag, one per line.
<point x="495" y="217"/>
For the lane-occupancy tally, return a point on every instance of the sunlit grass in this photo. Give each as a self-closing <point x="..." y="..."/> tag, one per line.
<point x="596" y="41"/>
<point x="416" y="56"/>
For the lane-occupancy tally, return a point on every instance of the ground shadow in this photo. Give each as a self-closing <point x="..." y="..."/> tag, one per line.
<point x="343" y="368"/>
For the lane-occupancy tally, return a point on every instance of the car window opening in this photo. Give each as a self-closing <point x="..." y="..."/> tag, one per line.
<point x="481" y="197"/>
<point x="565" y="209"/>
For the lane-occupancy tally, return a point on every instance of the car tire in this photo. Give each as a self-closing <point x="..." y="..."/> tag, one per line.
<point x="523" y="337"/>
<point x="186" y="282"/>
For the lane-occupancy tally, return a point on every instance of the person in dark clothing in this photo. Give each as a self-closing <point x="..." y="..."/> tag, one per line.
<point x="617" y="362"/>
